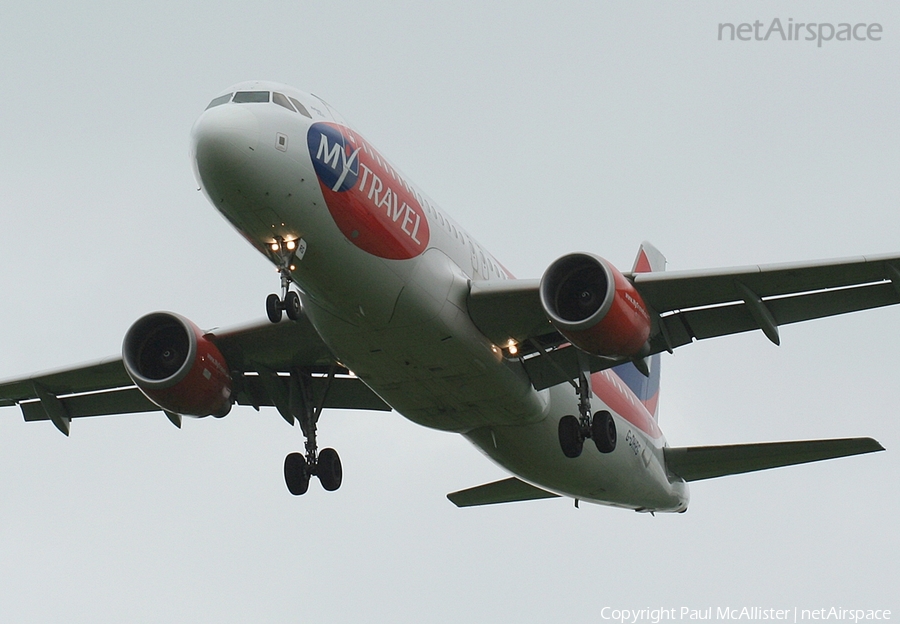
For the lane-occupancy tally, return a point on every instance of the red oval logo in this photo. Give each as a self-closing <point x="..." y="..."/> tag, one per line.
<point x="370" y="202"/>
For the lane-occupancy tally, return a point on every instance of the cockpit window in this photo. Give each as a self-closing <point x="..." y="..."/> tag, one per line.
<point x="300" y="108"/>
<point x="219" y="100"/>
<point x="279" y="99"/>
<point x="244" y="97"/>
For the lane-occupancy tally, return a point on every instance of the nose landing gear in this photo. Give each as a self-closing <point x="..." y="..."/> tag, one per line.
<point x="284" y="253"/>
<point x="289" y="303"/>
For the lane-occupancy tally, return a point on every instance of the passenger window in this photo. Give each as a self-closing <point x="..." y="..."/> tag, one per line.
<point x="246" y="97"/>
<point x="300" y="108"/>
<point x="279" y="99"/>
<point x="222" y="99"/>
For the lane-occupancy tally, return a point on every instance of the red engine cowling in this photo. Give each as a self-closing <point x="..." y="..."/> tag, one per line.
<point x="594" y="306"/>
<point x="176" y="367"/>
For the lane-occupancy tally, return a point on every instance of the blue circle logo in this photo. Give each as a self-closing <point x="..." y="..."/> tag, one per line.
<point x="335" y="158"/>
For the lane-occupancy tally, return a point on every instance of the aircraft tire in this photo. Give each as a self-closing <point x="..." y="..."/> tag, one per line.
<point x="292" y="306"/>
<point x="296" y="474"/>
<point x="328" y="469"/>
<point x="570" y="439"/>
<point x="273" y="308"/>
<point x="603" y="431"/>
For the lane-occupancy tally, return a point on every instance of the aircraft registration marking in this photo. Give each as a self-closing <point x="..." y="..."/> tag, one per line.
<point x="633" y="442"/>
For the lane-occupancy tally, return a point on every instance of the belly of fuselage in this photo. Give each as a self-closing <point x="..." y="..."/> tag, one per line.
<point x="429" y="362"/>
<point x="632" y="476"/>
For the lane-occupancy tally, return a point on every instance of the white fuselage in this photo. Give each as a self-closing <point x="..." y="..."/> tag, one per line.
<point x="384" y="276"/>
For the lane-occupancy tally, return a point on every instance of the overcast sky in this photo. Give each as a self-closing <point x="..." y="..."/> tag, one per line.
<point x="543" y="128"/>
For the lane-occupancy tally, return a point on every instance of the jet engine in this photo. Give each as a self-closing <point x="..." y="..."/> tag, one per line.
<point x="594" y="306"/>
<point x="176" y="367"/>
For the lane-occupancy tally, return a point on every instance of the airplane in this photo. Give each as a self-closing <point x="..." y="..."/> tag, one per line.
<point x="386" y="303"/>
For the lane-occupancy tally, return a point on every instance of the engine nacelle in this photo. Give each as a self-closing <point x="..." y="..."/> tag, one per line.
<point x="594" y="306"/>
<point x="176" y="367"/>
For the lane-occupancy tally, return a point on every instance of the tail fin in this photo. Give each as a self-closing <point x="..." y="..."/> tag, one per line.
<point x="646" y="389"/>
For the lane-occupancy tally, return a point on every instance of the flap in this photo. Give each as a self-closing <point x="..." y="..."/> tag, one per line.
<point x="102" y="375"/>
<point x="120" y="401"/>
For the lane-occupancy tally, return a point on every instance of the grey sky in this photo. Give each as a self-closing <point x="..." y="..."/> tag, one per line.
<point x="543" y="128"/>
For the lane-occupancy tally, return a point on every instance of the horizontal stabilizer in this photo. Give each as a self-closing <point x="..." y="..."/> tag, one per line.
<point x="694" y="463"/>
<point x="505" y="491"/>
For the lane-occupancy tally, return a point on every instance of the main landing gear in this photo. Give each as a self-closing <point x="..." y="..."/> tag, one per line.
<point x="324" y="464"/>
<point x="600" y="427"/>
<point x="298" y="470"/>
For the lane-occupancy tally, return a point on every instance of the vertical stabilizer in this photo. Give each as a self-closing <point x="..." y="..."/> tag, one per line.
<point x="649" y="259"/>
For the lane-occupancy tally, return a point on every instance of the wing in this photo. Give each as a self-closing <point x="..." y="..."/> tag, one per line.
<point x="691" y="305"/>
<point x="262" y="357"/>
<point x="694" y="305"/>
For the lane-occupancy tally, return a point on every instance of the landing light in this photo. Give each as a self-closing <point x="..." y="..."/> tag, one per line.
<point x="512" y="347"/>
<point x="291" y="245"/>
<point x="274" y="247"/>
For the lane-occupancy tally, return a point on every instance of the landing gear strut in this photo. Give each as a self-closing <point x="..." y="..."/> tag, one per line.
<point x="600" y="427"/>
<point x="284" y="253"/>
<point x="324" y="464"/>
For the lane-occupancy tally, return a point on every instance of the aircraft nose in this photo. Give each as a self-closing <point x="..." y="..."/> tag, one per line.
<point x="223" y="139"/>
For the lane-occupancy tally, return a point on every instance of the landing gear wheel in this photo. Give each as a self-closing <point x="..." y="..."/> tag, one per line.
<point x="603" y="431"/>
<point x="292" y="306"/>
<point x="273" y="308"/>
<point x="570" y="439"/>
<point x="296" y="474"/>
<point x="328" y="469"/>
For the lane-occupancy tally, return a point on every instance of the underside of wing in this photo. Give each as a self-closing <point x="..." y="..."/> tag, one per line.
<point x="506" y="491"/>
<point x="686" y="306"/>
<point x="695" y="463"/>
<point x="97" y="376"/>
<point x="509" y="312"/>
<point x="263" y="359"/>
<point x="693" y="305"/>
